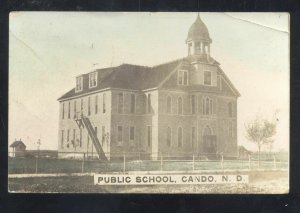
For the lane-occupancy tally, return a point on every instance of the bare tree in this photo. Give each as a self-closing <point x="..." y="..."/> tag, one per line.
<point x="261" y="132"/>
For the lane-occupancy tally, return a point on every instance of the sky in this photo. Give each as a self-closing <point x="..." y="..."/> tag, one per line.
<point x="48" y="49"/>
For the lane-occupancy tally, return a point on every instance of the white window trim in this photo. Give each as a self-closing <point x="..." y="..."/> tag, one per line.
<point x="96" y="78"/>
<point x="211" y="110"/>
<point x="196" y="104"/>
<point x="178" y="105"/>
<point x="80" y="78"/>
<point x="210" y="78"/>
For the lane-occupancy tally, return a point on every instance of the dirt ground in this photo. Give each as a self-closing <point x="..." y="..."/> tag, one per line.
<point x="260" y="182"/>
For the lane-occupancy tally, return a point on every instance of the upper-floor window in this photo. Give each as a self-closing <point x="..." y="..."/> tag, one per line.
<point x="207" y="78"/>
<point x="89" y="105"/>
<point x="193" y="104"/>
<point x="120" y="102"/>
<point x="182" y="77"/>
<point x="230" y="109"/>
<point x="169" y="104"/>
<point x="63" y="110"/>
<point x="93" y="79"/>
<point x="132" y="103"/>
<point x="149" y="107"/>
<point x="75" y="111"/>
<point x="179" y="107"/>
<point x="103" y="107"/>
<point x="120" y="135"/>
<point x="207" y="106"/>
<point x="81" y="105"/>
<point x="79" y="84"/>
<point x="131" y="135"/>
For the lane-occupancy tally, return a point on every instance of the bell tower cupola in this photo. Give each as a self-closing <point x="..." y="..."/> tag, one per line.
<point x="198" y="39"/>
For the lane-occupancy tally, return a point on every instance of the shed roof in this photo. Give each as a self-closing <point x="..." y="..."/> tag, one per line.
<point x="17" y="143"/>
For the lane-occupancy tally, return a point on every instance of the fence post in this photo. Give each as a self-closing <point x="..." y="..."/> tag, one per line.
<point x="274" y="160"/>
<point x="124" y="163"/>
<point x="161" y="162"/>
<point x="82" y="165"/>
<point x="193" y="162"/>
<point x="249" y="161"/>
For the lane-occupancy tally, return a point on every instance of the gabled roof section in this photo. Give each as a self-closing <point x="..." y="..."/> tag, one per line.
<point x="231" y="86"/>
<point x="17" y="143"/>
<point x="127" y="76"/>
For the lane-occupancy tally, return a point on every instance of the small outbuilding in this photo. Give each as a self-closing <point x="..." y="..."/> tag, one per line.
<point x="18" y="148"/>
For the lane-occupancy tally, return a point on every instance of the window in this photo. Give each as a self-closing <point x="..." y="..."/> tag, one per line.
<point x="207" y="106"/>
<point x="68" y="135"/>
<point x="197" y="45"/>
<point x="120" y="135"/>
<point x="120" y="102"/>
<point x="96" y="104"/>
<point x="79" y="82"/>
<point x="193" y="104"/>
<point x="104" y="107"/>
<point x="75" y="109"/>
<point x="179" y="107"/>
<point x="63" y="111"/>
<point x="81" y="105"/>
<point x="182" y="77"/>
<point x="230" y="109"/>
<point x="74" y="133"/>
<point x="131" y="135"/>
<point x="194" y="137"/>
<point x="80" y="137"/>
<point x="169" y="104"/>
<point x="149" y="135"/>
<point x="62" y="138"/>
<point x="179" y="134"/>
<point x="69" y="109"/>
<point x="207" y="78"/>
<point x="149" y="103"/>
<point x="103" y="135"/>
<point x="230" y="129"/>
<point x="169" y="136"/>
<point x="93" y="79"/>
<point x="89" y="106"/>
<point x="132" y="103"/>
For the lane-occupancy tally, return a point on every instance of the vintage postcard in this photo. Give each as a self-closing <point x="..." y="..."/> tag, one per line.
<point x="106" y="102"/>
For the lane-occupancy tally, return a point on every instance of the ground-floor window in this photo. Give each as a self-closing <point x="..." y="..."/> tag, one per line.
<point x="131" y="135"/>
<point x="149" y="135"/>
<point x="194" y="137"/>
<point x="169" y="136"/>
<point x="179" y="134"/>
<point x="120" y="135"/>
<point x="62" y="138"/>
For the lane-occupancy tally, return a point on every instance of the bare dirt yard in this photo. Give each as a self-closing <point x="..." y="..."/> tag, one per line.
<point x="260" y="182"/>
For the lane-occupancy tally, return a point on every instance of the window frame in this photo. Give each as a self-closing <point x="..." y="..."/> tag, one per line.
<point x="181" y="106"/>
<point x="204" y="78"/>
<point x="193" y="105"/>
<point x="180" y="145"/>
<point x="79" y="84"/>
<point x="167" y="138"/>
<point x="169" y="105"/>
<point x="132" y="107"/>
<point x="194" y="142"/>
<point x="122" y="109"/>
<point x="93" y="79"/>
<point x="181" y="80"/>
<point x="119" y="142"/>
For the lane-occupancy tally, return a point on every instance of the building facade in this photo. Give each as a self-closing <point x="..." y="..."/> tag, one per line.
<point x="179" y="108"/>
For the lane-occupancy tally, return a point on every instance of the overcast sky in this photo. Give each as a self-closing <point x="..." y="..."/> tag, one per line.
<point x="48" y="49"/>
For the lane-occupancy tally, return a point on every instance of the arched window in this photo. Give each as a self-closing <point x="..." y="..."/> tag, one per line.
<point x="169" y="137"/>
<point x="179" y="135"/>
<point x="179" y="107"/>
<point x="169" y="104"/>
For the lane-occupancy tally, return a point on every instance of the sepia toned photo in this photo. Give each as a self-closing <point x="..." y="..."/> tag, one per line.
<point x="106" y="102"/>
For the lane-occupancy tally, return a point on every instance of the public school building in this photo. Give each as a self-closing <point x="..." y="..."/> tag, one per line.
<point x="179" y="108"/>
